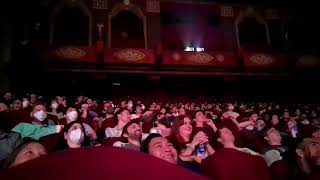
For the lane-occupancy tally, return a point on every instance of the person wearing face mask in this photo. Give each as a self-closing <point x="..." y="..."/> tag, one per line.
<point x="74" y="136"/>
<point x="54" y="112"/>
<point x="40" y="125"/>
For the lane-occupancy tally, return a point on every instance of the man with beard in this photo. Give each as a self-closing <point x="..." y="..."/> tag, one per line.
<point x="132" y="132"/>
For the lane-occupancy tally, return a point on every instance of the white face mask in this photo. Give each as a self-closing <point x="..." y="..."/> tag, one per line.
<point x="73" y="115"/>
<point x="25" y="104"/>
<point x="54" y="105"/>
<point x="76" y="136"/>
<point x="130" y="105"/>
<point x="40" y="115"/>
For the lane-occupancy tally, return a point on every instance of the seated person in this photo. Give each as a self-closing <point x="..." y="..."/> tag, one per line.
<point x="203" y="124"/>
<point x="123" y="117"/>
<point x="26" y="151"/>
<point x="158" y="146"/>
<point x="16" y="105"/>
<point x="54" y="106"/>
<point x="163" y="127"/>
<point x="308" y="153"/>
<point x="71" y="116"/>
<point x="227" y="139"/>
<point x="137" y="113"/>
<point x="73" y="136"/>
<point x="132" y="132"/>
<point x="38" y="128"/>
<point x="181" y="137"/>
<point x="276" y="151"/>
<point x="234" y="163"/>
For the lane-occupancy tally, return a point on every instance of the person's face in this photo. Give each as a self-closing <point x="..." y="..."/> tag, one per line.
<point x="161" y="148"/>
<point x="33" y="99"/>
<point x="286" y="115"/>
<point x="60" y="100"/>
<point x="125" y="116"/>
<point x="31" y="151"/>
<point x="106" y="106"/>
<point x="75" y="126"/>
<point x="152" y="107"/>
<point x="123" y="104"/>
<point x="226" y="136"/>
<point x="274" y="119"/>
<point x="134" y="131"/>
<point x="200" y="117"/>
<point x="17" y="105"/>
<point x="84" y="107"/>
<point x="80" y="99"/>
<point x="261" y="124"/>
<point x="313" y="114"/>
<point x="95" y="104"/>
<point x="254" y="117"/>
<point x="39" y="108"/>
<point x="314" y="149"/>
<point x="274" y="136"/>
<point x="138" y="109"/>
<point x="266" y="117"/>
<point x="174" y="110"/>
<point x="182" y="111"/>
<point x="163" y="110"/>
<point x="90" y="103"/>
<point x="298" y="112"/>
<point x="186" y="127"/>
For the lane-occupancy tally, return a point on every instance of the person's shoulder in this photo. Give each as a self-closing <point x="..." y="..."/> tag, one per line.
<point x="118" y="144"/>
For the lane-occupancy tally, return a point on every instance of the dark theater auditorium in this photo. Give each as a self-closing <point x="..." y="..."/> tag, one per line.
<point x="159" y="90"/>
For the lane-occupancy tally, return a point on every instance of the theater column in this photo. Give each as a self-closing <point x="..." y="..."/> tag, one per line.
<point x="5" y="54"/>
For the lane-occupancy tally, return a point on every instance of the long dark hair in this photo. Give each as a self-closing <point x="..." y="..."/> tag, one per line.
<point x="62" y="144"/>
<point x="175" y="132"/>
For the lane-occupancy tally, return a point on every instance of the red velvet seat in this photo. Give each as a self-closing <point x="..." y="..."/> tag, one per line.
<point x="231" y="164"/>
<point x="279" y="170"/>
<point x="111" y="141"/>
<point x="98" y="163"/>
<point x="51" y="142"/>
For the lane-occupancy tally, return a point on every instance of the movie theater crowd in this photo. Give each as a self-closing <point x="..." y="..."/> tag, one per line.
<point x="220" y="139"/>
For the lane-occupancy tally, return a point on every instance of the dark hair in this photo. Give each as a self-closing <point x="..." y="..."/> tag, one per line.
<point x="12" y="157"/>
<point x="125" y="128"/>
<point x="62" y="144"/>
<point x="175" y="132"/>
<point x="194" y="114"/>
<point x="119" y="112"/>
<point x="145" y="146"/>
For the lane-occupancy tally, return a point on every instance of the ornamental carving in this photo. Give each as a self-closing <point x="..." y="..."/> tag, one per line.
<point x="129" y="55"/>
<point x="199" y="57"/>
<point x="70" y="52"/>
<point x="261" y="59"/>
